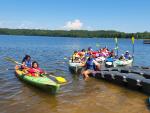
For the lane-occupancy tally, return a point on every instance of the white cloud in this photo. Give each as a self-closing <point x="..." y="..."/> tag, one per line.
<point x="73" y="25"/>
<point x="70" y="25"/>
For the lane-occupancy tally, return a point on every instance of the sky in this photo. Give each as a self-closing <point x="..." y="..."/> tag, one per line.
<point x="121" y="15"/>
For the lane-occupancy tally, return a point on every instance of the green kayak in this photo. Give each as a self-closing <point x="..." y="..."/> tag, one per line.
<point x="43" y="83"/>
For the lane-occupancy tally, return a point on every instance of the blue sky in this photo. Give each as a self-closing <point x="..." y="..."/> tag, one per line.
<point x="120" y="15"/>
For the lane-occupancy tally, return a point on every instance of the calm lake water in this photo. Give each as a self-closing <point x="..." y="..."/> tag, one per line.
<point x="78" y="96"/>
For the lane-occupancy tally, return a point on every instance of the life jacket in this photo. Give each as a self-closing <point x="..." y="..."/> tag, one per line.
<point x="90" y="64"/>
<point x="94" y="52"/>
<point x="28" y="63"/>
<point x="75" y="57"/>
<point x="127" y="56"/>
<point x="109" y="59"/>
<point x="79" y="53"/>
<point x="87" y="54"/>
<point x="33" y="71"/>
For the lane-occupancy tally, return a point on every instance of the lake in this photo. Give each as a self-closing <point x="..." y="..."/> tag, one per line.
<point x="95" y="96"/>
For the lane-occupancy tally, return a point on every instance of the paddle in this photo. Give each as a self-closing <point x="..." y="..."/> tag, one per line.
<point x="133" y="45"/>
<point x="66" y="58"/>
<point x="116" y="44"/>
<point x="12" y="60"/>
<point x="97" y="45"/>
<point x="59" y="79"/>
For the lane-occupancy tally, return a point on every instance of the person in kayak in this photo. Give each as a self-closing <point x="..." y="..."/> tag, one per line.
<point x="122" y="58"/>
<point x="90" y="66"/>
<point x="82" y="55"/>
<point x="75" y="57"/>
<point x="90" y="50"/>
<point x="112" y="54"/>
<point x="26" y="62"/>
<point x="35" y="70"/>
<point x="127" y="55"/>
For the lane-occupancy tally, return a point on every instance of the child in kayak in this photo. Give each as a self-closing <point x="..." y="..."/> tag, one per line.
<point x="75" y="57"/>
<point x="122" y="58"/>
<point x="127" y="55"/>
<point x="35" y="70"/>
<point x="26" y="62"/>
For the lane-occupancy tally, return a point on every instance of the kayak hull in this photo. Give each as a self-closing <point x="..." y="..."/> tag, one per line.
<point x="118" y="63"/>
<point x="43" y="83"/>
<point x="123" y="63"/>
<point x="75" y="67"/>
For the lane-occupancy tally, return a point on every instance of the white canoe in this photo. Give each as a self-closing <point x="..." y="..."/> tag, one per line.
<point x="118" y="62"/>
<point x="123" y="63"/>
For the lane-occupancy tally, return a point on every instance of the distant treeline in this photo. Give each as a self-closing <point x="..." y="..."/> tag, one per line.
<point x="74" y="33"/>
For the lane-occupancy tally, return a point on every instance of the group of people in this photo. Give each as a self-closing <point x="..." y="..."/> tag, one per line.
<point x="87" y="58"/>
<point x="123" y="57"/>
<point x="81" y="56"/>
<point x="30" y="68"/>
<point x="90" y="59"/>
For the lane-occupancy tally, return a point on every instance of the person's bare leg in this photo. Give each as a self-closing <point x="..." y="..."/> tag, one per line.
<point x="98" y="67"/>
<point x="86" y="74"/>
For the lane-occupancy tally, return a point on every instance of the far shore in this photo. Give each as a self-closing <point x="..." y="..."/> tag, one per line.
<point x="74" y="33"/>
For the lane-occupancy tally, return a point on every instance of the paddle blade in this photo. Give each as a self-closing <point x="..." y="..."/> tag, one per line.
<point x="97" y="45"/>
<point x="116" y="40"/>
<point x="61" y="79"/>
<point x="116" y="48"/>
<point x="65" y="58"/>
<point x="132" y="39"/>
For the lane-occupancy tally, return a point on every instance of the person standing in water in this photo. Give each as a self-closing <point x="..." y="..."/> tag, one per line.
<point x="90" y="67"/>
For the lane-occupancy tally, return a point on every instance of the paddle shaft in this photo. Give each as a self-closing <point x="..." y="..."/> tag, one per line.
<point x="133" y="47"/>
<point x="117" y="48"/>
<point x="116" y="43"/>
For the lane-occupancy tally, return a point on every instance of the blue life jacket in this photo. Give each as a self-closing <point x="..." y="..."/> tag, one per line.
<point x="109" y="59"/>
<point x="87" y="55"/>
<point x="126" y="56"/>
<point x="28" y="63"/>
<point x="90" y="64"/>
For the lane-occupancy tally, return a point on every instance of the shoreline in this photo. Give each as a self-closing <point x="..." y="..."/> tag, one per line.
<point x="73" y="37"/>
<point x="74" y="33"/>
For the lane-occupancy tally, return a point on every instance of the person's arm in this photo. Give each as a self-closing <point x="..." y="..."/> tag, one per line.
<point x="95" y="62"/>
<point x="23" y="65"/>
<point x="83" y="64"/>
<point x="41" y="71"/>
